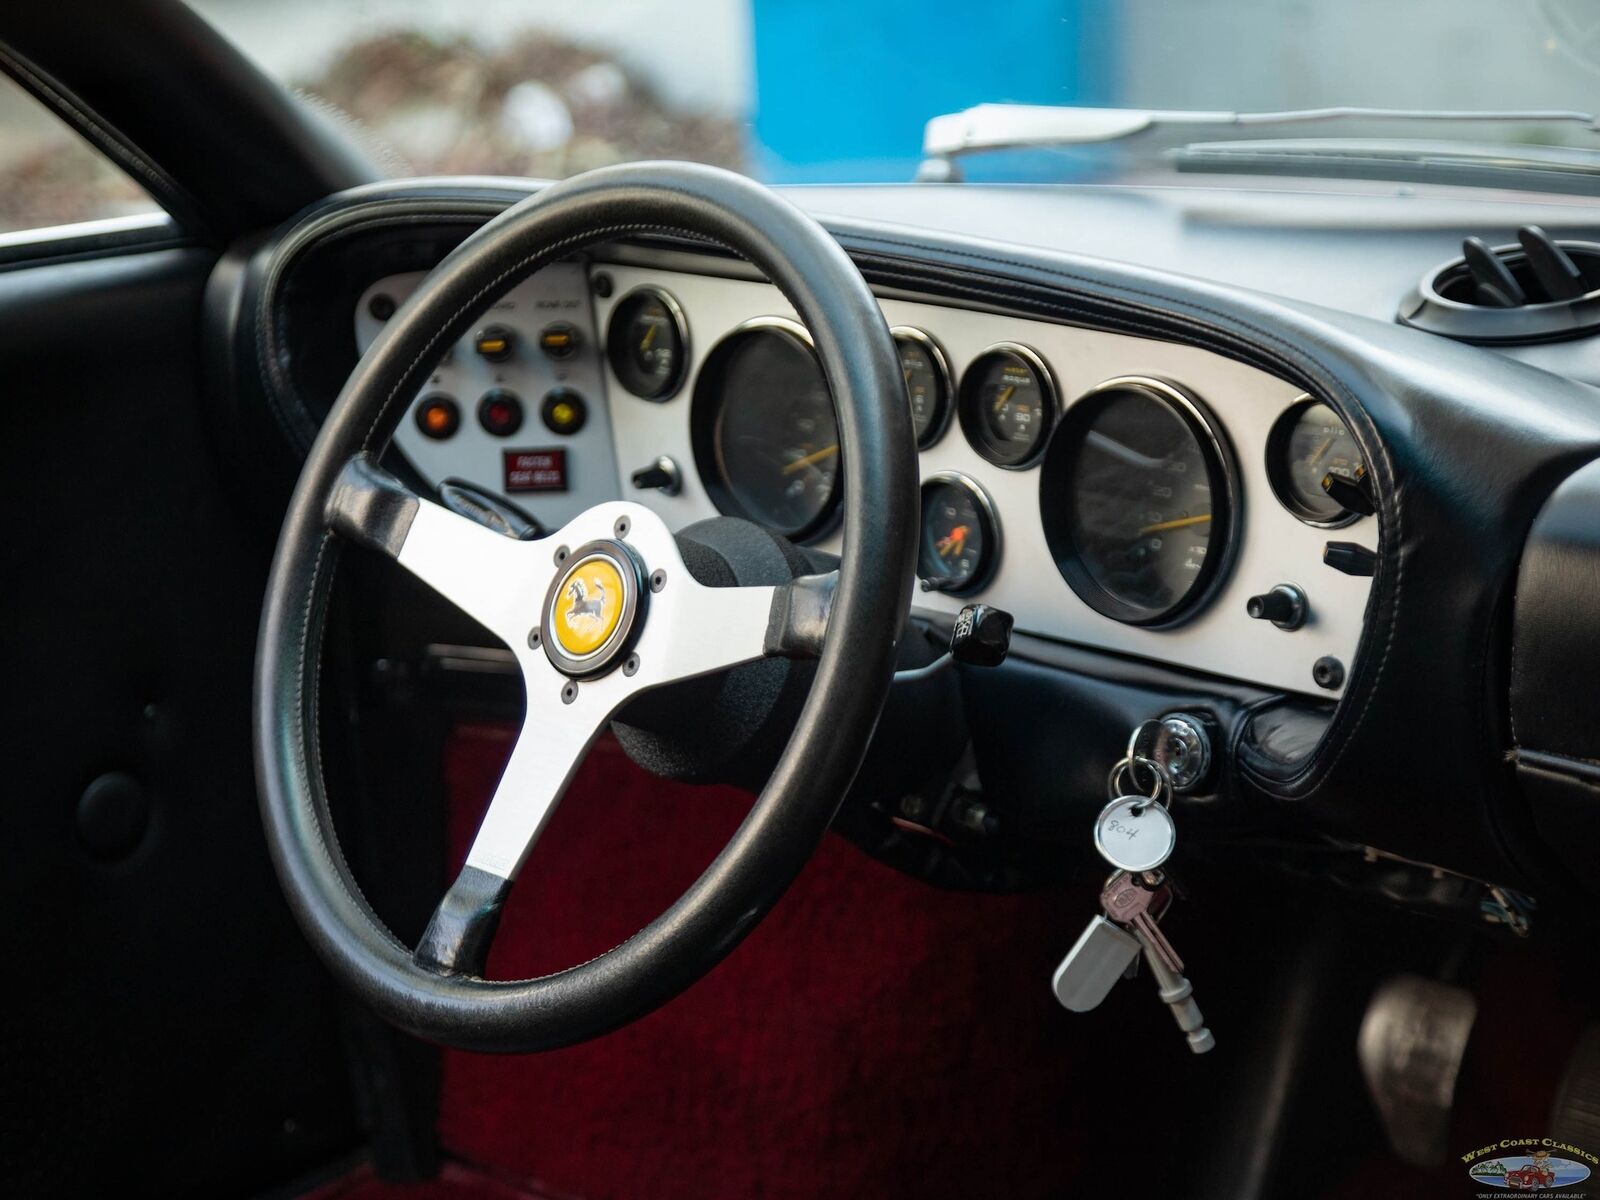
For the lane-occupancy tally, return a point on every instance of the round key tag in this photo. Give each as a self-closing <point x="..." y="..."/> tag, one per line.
<point x="1135" y="833"/>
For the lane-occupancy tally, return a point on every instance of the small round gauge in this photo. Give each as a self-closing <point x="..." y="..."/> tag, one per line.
<point x="1138" y="501"/>
<point x="765" y="439"/>
<point x="960" y="542"/>
<point x="1307" y="442"/>
<point x="1008" y="403"/>
<point x="647" y="343"/>
<point x="927" y="374"/>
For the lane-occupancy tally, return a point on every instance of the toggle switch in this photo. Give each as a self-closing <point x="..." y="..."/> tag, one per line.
<point x="662" y="476"/>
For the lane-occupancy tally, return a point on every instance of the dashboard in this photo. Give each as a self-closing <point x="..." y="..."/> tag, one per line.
<point x="1117" y="492"/>
<point x="1188" y="437"/>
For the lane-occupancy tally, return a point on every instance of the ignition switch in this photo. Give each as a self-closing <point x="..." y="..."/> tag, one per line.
<point x="1179" y="744"/>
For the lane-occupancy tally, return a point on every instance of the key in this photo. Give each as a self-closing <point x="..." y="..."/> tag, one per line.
<point x="1100" y="957"/>
<point x="1129" y="902"/>
<point x="1177" y="993"/>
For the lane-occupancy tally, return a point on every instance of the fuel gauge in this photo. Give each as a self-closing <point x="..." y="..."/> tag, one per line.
<point x="960" y="542"/>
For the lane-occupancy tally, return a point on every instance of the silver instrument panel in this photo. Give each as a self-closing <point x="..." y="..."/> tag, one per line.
<point x="624" y="433"/>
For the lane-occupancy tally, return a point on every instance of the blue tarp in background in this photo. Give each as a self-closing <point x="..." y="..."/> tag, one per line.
<point x="843" y="87"/>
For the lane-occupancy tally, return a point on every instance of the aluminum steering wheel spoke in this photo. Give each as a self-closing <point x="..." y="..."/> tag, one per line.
<point x="487" y="575"/>
<point x="618" y="614"/>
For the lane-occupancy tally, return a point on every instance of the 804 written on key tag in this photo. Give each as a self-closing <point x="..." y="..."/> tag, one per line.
<point x="1135" y="832"/>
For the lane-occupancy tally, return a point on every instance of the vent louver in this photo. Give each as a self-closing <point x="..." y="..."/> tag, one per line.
<point x="1535" y="290"/>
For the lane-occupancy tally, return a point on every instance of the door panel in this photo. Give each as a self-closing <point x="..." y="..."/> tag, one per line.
<point x="165" y="1025"/>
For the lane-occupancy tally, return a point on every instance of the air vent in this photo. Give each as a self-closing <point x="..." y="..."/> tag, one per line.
<point x="1537" y="290"/>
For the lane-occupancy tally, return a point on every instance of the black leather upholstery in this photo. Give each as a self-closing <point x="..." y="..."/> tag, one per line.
<point x="1555" y="671"/>
<point x="852" y="676"/>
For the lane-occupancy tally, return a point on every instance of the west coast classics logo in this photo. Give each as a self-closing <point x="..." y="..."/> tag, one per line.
<point x="1531" y="1165"/>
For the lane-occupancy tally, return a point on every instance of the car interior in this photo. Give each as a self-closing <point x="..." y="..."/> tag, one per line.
<point x="658" y="683"/>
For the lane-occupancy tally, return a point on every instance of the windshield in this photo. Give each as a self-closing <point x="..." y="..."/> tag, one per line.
<point x="841" y="90"/>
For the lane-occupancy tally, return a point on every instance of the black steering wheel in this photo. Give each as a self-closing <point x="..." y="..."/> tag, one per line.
<point x="596" y="613"/>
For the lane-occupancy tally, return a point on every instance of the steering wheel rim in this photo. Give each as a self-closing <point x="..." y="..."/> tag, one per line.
<point x="435" y="993"/>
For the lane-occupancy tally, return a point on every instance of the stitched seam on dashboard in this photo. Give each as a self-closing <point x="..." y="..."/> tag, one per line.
<point x="1290" y="357"/>
<point x="273" y="311"/>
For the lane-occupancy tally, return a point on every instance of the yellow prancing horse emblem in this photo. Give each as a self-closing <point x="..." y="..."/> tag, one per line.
<point x="589" y="608"/>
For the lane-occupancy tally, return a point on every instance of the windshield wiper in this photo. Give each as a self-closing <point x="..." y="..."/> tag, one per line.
<point x="1028" y="126"/>
<point x="1543" y="168"/>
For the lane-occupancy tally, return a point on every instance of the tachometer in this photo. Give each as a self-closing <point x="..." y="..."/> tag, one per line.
<point x="927" y="375"/>
<point x="1138" y="501"/>
<point x="647" y="343"/>
<point x="960" y="542"/>
<point x="1008" y="404"/>
<point x="765" y="439"/>
<point x="1307" y="442"/>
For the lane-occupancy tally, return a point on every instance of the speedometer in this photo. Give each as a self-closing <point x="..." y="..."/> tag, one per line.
<point x="1138" y="501"/>
<point x="765" y="439"/>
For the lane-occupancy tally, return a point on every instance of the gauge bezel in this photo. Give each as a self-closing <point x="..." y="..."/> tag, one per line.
<point x="985" y="574"/>
<point x="1279" y="470"/>
<point x="941" y="368"/>
<point x="705" y="411"/>
<point x="1055" y="493"/>
<point x="971" y="422"/>
<point x="680" y="325"/>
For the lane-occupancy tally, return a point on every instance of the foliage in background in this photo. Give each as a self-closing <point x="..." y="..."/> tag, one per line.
<point x="540" y="106"/>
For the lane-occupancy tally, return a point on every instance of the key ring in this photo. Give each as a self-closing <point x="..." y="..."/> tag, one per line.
<point x="1124" y="770"/>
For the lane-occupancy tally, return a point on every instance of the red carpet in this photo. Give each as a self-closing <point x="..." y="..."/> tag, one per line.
<point x="455" y="1182"/>
<point x="874" y="1037"/>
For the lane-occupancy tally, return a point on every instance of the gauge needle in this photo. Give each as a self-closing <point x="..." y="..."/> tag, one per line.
<point x="1323" y="449"/>
<point x="1000" y="402"/>
<point x="808" y="460"/>
<point x="1180" y="523"/>
<point x="955" y="541"/>
<point x="649" y="337"/>
<point x="1126" y="453"/>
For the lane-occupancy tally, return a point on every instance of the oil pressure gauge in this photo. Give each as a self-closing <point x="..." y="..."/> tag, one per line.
<point x="1008" y="404"/>
<point x="960" y="542"/>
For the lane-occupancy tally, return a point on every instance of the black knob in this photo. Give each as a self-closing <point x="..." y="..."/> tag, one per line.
<point x="662" y="475"/>
<point x="1284" y="606"/>
<point x="1351" y="489"/>
<point x="981" y="637"/>
<point x="1350" y="557"/>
